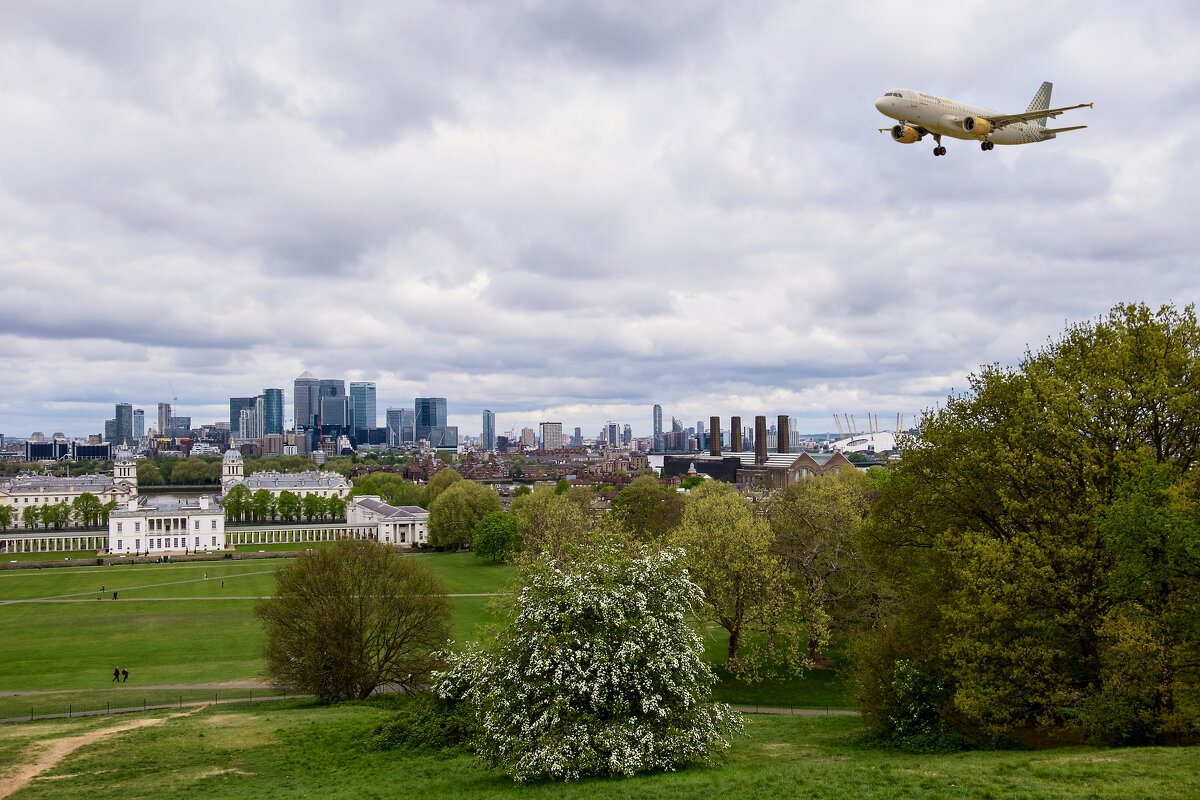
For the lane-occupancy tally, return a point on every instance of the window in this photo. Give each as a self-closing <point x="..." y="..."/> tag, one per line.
<point x="120" y="544"/>
<point x="137" y="526"/>
<point x="214" y="527"/>
<point x="197" y="524"/>
<point x="214" y="541"/>
<point x="137" y="544"/>
<point x="119" y="527"/>
<point x="197" y="541"/>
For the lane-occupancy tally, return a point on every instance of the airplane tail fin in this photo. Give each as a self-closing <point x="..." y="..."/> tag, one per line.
<point x="1040" y="102"/>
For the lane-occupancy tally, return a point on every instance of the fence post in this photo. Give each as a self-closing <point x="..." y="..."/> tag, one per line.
<point x="70" y="709"/>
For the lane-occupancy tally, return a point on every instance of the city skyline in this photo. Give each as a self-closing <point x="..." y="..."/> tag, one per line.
<point x="572" y="213"/>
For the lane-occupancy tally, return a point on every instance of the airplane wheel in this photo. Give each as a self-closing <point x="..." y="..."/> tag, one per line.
<point x="983" y="146"/>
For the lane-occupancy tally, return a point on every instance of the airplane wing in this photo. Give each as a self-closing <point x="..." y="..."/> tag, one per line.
<point x="1000" y="120"/>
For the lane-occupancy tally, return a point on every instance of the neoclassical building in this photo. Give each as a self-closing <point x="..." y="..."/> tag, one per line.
<point x="159" y="527"/>
<point x="28" y="490"/>
<point x="397" y="525"/>
<point x="319" y="483"/>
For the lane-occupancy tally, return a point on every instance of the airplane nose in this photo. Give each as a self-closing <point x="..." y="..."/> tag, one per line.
<point x="880" y="104"/>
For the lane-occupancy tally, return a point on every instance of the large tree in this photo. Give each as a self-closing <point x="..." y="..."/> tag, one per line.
<point x="746" y="588"/>
<point x="550" y="522"/>
<point x="1006" y="538"/>
<point x="597" y="671"/>
<point x="352" y="617"/>
<point x="497" y="536"/>
<point x="816" y="523"/>
<point x="648" y="510"/>
<point x="236" y="502"/>
<point x="86" y="509"/>
<point x="442" y="480"/>
<point x="456" y="511"/>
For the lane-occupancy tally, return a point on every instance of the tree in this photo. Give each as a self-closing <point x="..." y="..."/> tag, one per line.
<point x="262" y="503"/>
<point x="236" y="502"/>
<point x="746" y="586"/>
<point x="314" y="506"/>
<point x="549" y="522"/>
<point x="289" y="505"/>
<point x="56" y="514"/>
<point x="7" y="514"/>
<point x="336" y="507"/>
<point x="497" y="536"/>
<point x="148" y="474"/>
<point x="597" y="671"/>
<point x="107" y="509"/>
<point x="195" y="470"/>
<point x="456" y="511"/>
<point x="442" y="480"/>
<point x="816" y="523"/>
<point x="352" y="617"/>
<point x="86" y="509"/>
<point x="647" y="510"/>
<point x="31" y="516"/>
<point x="1004" y="541"/>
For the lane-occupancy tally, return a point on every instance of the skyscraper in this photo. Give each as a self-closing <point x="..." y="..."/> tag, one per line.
<point x="236" y="406"/>
<point x="272" y="413"/>
<point x="362" y="405"/>
<point x="307" y="400"/>
<point x="552" y="436"/>
<point x="139" y="423"/>
<point x="613" y="436"/>
<point x="627" y="436"/>
<point x="392" y="423"/>
<point x="124" y="418"/>
<point x="658" y="429"/>
<point x="431" y="423"/>
<point x="164" y="418"/>
<point x="488" y="439"/>
<point x="577" y="439"/>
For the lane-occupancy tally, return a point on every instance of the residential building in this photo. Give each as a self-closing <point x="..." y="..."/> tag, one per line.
<point x="658" y="429"/>
<point x="164" y="418"/>
<point x="552" y="438"/>
<point x="488" y="439"/>
<point x="139" y="423"/>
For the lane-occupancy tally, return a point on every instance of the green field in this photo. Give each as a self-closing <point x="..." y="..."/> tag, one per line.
<point x="187" y="633"/>
<point x="294" y="750"/>
<point x="175" y="626"/>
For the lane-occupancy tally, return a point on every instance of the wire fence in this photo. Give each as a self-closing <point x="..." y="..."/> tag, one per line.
<point x="26" y="708"/>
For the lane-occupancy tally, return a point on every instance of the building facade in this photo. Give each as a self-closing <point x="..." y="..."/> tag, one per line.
<point x="362" y="405"/>
<point x="488" y="439"/>
<point x="148" y="527"/>
<point x="406" y="526"/>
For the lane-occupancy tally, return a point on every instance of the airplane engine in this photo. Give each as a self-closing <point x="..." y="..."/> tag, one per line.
<point x="905" y="134"/>
<point x="977" y="126"/>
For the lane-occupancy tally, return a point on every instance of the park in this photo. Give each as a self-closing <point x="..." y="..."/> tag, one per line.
<point x="187" y="634"/>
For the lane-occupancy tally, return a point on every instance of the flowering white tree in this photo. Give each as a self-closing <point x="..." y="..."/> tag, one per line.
<point x="597" y="672"/>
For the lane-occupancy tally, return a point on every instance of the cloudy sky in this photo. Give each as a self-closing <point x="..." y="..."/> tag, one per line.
<point x="571" y="211"/>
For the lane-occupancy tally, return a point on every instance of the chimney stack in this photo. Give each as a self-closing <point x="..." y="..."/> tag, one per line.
<point x="783" y="441"/>
<point x="714" y="436"/>
<point x="735" y="434"/>
<point x="760" y="439"/>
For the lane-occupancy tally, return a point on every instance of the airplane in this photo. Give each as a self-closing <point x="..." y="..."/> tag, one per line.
<point x="922" y="114"/>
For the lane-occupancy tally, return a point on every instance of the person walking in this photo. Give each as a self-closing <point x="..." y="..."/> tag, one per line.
<point x="117" y="674"/>
<point x="124" y="674"/>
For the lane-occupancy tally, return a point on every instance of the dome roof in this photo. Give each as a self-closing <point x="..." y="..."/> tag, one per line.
<point x="231" y="455"/>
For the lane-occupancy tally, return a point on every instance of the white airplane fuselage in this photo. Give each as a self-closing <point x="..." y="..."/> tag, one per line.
<point x="937" y="115"/>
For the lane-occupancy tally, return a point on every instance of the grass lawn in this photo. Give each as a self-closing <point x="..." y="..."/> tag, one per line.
<point x="174" y="627"/>
<point x="293" y="750"/>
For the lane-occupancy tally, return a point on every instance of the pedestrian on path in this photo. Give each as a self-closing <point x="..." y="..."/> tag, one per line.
<point x="124" y="674"/>
<point x="117" y="674"/>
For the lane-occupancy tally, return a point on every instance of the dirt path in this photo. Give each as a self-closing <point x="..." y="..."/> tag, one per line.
<point x="48" y="754"/>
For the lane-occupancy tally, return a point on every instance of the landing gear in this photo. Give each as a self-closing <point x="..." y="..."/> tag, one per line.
<point x="987" y="145"/>
<point x="939" y="150"/>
